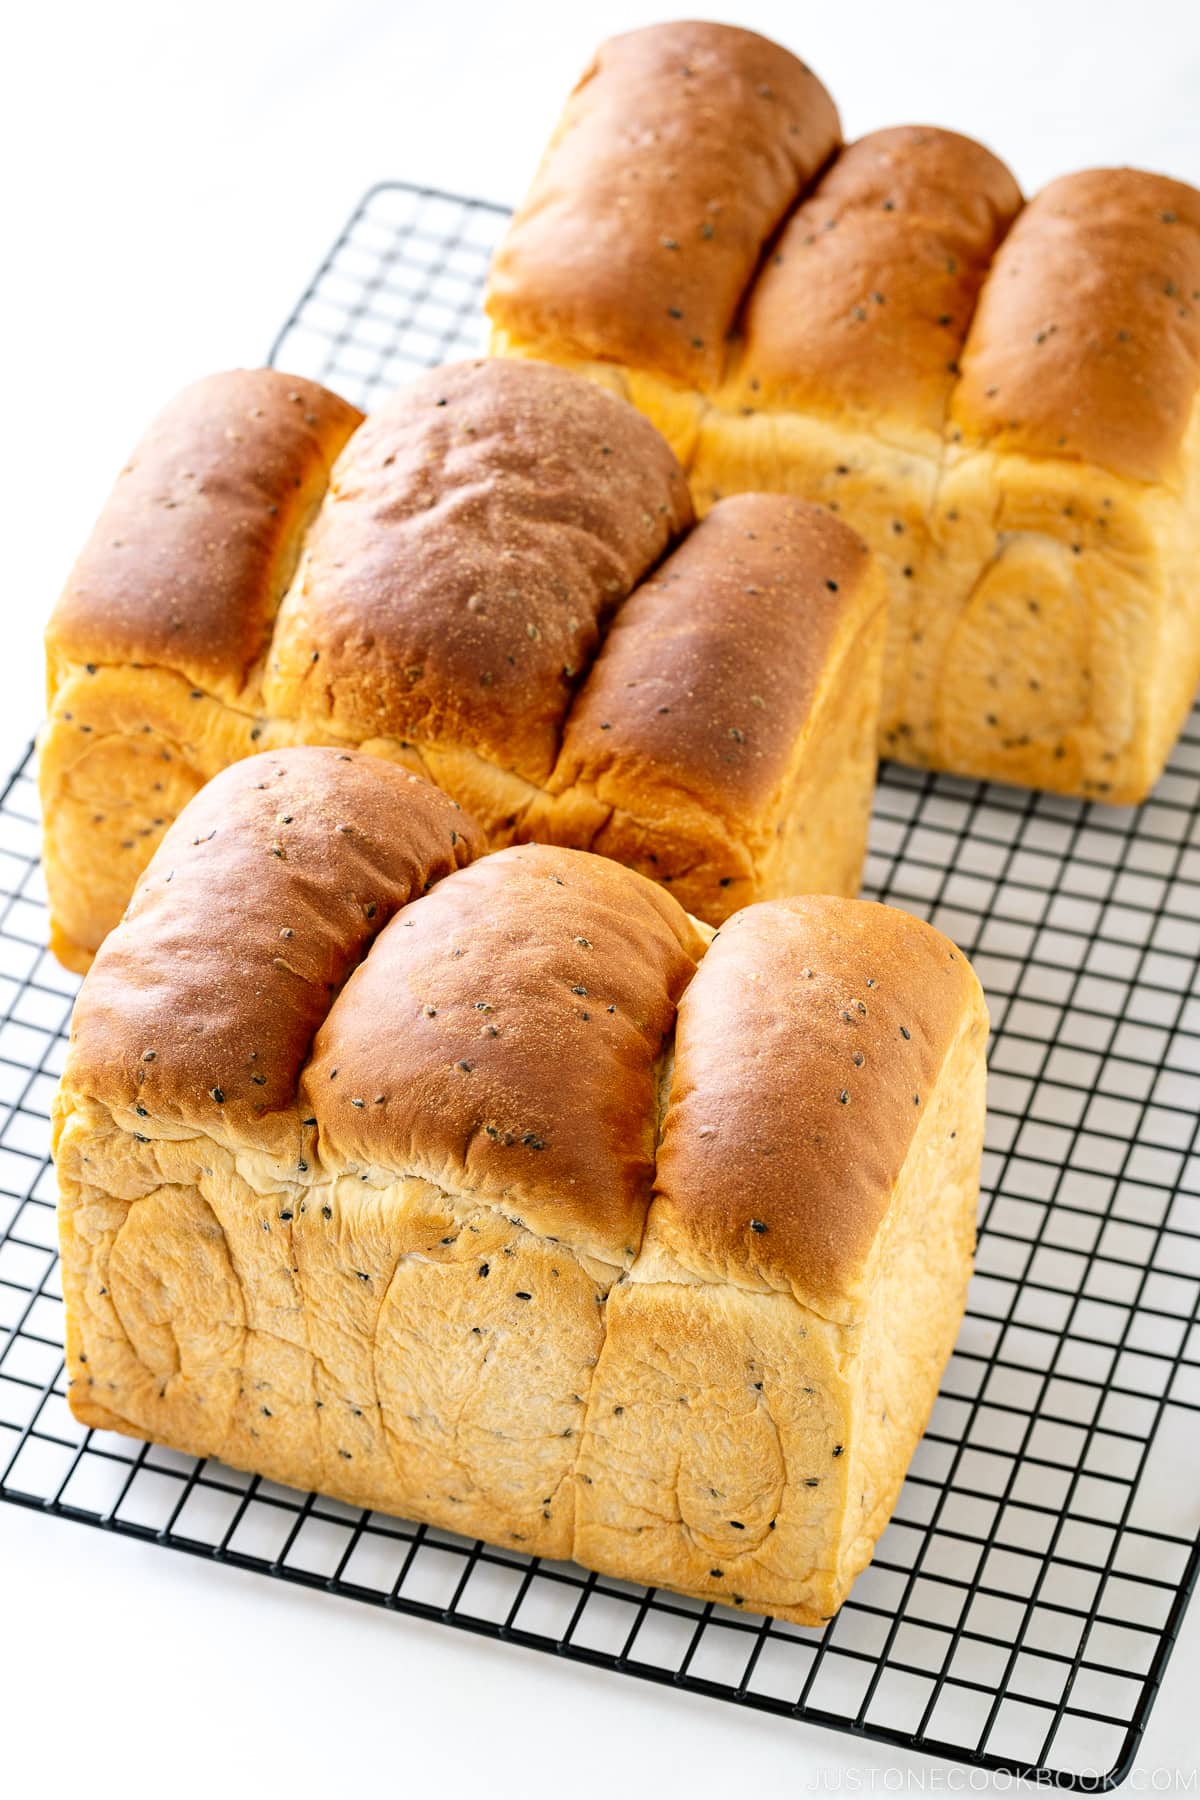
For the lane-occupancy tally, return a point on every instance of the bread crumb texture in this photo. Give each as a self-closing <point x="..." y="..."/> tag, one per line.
<point x="1000" y="397"/>
<point x="487" y="1191"/>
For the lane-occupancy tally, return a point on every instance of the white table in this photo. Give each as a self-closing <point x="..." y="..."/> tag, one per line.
<point x="177" y="174"/>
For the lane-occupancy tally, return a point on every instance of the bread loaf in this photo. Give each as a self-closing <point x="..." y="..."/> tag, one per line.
<point x="497" y="582"/>
<point x="1001" y="399"/>
<point x="479" y="1189"/>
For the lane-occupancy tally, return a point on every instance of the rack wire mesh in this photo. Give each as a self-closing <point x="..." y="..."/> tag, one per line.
<point x="1022" y="1604"/>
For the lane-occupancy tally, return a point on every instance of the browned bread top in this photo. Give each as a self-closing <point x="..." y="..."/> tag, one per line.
<point x="680" y="150"/>
<point x="712" y="667"/>
<point x="193" y="550"/>
<point x="807" y="1048"/>
<point x="503" y="1038"/>
<point x="1087" y="339"/>
<point x="201" y="1006"/>
<point x="503" y="1028"/>
<point x="865" y="302"/>
<point x="479" y="530"/>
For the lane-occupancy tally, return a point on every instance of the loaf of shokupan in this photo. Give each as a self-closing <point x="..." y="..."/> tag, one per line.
<point x="1001" y="399"/>
<point x="496" y="581"/>
<point x="479" y="1189"/>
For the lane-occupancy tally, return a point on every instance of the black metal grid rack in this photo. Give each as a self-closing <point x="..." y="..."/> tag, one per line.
<point x="1022" y="1604"/>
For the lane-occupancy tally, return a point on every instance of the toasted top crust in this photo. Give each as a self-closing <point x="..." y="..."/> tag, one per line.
<point x="864" y="304"/>
<point x="679" y="152"/>
<point x="1087" y="339"/>
<point x="779" y="1157"/>
<point x="478" y="531"/>
<point x="503" y="1036"/>
<point x="506" y="1033"/>
<point x="188" y="560"/>
<point x="201" y="1006"/>
<point x="712" y="668"/>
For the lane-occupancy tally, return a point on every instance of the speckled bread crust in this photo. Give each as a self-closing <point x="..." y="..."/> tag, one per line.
<point x="1005" y="403"/>
<point x="450" y="589"/>
<point x="682" y="755"/>
<point x="436" y="1210"/>
<point x="679" y="152"/>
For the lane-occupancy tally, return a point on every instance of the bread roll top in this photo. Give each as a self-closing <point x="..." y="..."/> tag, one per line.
<point x="191" y="555"/>
<point x="712" y="667"/>
<point x="504" y="1038"/>
<point x="864" y="304"/>
<point x="807" y="1049"/>
<point x="478" y="532"/>
<point x="313" y="968"/>
<point x="1086" y="343"/>
<point x="680" y="151"/>
<point x="201" y="1005"/>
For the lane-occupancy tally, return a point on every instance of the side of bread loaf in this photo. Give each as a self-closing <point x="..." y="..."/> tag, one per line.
<point x="476" y="579"/>
<point x="405" y="1185"/>
<point x="1005" y="403"/>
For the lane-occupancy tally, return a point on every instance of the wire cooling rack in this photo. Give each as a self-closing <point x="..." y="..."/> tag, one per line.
<point x="1023" y="1602"/>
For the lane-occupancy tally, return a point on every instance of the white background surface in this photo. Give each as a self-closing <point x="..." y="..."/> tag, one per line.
<point x="172" y="176"/>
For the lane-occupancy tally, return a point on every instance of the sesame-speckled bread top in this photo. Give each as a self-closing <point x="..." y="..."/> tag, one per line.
<point x="504" y="1037"/>
<point x="710" y="664"/>
<point x="201" y="1006"/>
<point x="190" y="557"/>
<point x="778" y="1162"/>
<point x="314" y="968"/>
<point x="680" y="150"/>
<point x="479" y="530"/>
<point x="896" y="282"/>
<point x="1087" y="339"/>
<point x="503" y="586"/>
<point x="864" y="304"/>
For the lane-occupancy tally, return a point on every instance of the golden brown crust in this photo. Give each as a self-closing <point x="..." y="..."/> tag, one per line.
<point x="404" y="1285"/>
<point x="705" y="689"/>
<point x="711" y="668"/>
<point x="864" y="304"/>
<point x="778" y="1164"/>
<point x="478" y="533"/>
<point x="680" y="150"/>
<point x="201" y="1006"/>
<point x="1086" y="343"/>
<point x="503" y="1037"/>
<point x="188" y="560"/>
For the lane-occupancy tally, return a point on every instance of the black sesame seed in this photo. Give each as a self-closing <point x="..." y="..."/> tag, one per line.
<point x="838" y="1448"/>
<point x="905" y="1033"/>
<point x="757" y="1225"/>
<point x="218" y="1095"/>
<point x="522" y="1295"/>
<point x="484" y="1271"/>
